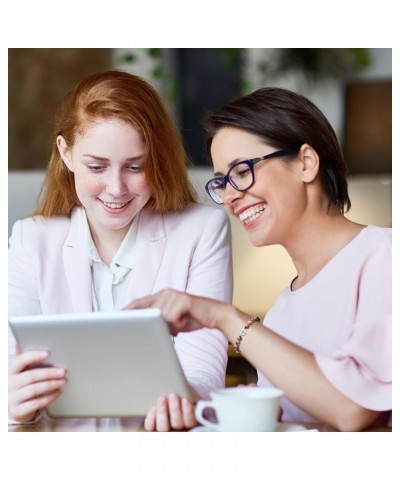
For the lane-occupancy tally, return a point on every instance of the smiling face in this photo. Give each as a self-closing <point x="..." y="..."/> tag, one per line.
<point x="273" y="206"/>
<point x="107" y="162"/>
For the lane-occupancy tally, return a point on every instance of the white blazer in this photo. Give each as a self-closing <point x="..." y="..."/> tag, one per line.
<point x="49" y="272"/>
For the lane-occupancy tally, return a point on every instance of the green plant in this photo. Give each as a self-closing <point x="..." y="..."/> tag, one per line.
<point x="314" y="64"/>
<point x="317" y="63"/>
<point x="158" y="72"/>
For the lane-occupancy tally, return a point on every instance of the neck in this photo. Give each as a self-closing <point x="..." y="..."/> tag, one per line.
<point x="316" y="241"/>
<point x="108" y="242"/>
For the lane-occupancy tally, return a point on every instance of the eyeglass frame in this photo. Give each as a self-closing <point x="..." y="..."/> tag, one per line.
<point x="250" y="163"/>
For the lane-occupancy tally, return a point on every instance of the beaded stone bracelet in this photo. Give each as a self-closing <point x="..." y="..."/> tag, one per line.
<point x="243" y="332"/>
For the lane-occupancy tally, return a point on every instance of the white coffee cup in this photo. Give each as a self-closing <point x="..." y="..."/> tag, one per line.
<point x="242" y="409"/>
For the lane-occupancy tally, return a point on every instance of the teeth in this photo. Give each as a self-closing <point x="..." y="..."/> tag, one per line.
<point x="252" y="213"/>
<point x="114" y="205"/>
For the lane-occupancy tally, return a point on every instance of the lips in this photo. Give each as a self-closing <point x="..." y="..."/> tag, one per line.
<point x="252" y="213"/>
<point x="114" y="205"/>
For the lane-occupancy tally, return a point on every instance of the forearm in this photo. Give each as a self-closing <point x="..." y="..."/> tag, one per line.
<point x="295" y="371"/>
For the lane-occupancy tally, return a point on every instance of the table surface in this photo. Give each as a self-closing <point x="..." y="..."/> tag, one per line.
<point x="135" y="424"/>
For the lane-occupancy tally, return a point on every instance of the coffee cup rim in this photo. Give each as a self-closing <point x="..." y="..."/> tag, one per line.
<point x="258" y="392"/>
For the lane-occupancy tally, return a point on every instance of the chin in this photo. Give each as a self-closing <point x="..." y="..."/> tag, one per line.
<point x="259" y="244"/>
<point x="256" y="241"/>
<point x="117" y="223"/>
<point x="260" y="239"/>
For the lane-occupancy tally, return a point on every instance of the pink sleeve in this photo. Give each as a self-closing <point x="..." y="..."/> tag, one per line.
<point x="361" y="368"/>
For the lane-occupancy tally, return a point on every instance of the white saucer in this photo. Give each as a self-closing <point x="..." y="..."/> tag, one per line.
<point x="280" y="427"/>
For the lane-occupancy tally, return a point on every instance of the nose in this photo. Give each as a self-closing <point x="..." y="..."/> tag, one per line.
<point x="231" y="195"/>
<point x="115" y="184"/>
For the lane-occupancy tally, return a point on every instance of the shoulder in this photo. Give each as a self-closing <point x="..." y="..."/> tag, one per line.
<point x="379" y="233"/>
<point x="42" y="225"/>
<point x="195" y="221"/>
<point x="40" y="230"/>
<point x="371" y="254"/>
<point x="376" y="238"/>
<point x="198" y="214"/>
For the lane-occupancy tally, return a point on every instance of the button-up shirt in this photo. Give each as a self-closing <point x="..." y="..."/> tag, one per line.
<point x="109" y="282"/>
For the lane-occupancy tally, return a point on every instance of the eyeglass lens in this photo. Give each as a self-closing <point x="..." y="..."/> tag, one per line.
<point x="240" y="177"/>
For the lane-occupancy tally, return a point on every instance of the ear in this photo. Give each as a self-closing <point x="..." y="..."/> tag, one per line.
<point x="310" y="163"/>
<point x="65" y="152"/>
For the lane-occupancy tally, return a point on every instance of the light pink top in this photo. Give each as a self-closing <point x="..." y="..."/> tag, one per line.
<point x="343" y="315"/>
<point x="50" y="272"/>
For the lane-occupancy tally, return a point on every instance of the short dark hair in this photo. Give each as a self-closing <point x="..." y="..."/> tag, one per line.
<point x="287" y="120"/>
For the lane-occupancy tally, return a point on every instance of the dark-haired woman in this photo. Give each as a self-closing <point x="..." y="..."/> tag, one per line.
<point x="326" y="342"/>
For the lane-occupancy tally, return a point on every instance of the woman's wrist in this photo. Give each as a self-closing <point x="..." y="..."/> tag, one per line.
<point x="243" y="332"/>
<point x="223" y="318"/>
<point x="231" y="321"/>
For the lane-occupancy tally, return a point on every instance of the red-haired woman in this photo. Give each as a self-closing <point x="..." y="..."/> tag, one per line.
<point x="117" y="219"/>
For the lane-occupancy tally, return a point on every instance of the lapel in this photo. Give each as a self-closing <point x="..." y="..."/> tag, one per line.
<point x="76" y="264"/>
<point x="148" y="254"/>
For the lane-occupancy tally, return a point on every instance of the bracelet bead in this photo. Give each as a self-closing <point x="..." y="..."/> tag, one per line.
<point x="243" y="332"/>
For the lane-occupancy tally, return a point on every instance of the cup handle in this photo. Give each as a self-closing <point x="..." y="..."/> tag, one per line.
<point x="201" y="405"/>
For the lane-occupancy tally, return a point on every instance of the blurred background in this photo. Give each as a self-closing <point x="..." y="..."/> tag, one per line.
<point x="353" y="87"/>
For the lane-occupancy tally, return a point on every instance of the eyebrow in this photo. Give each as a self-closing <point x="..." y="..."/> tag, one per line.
<point x="230" y="164"/>
<point x="105" y="159"/>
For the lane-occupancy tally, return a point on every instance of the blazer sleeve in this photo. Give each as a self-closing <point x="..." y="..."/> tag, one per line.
<point x="203" y="354"/>
<point x="210" y="272"/>
<point x="23" y="298"/>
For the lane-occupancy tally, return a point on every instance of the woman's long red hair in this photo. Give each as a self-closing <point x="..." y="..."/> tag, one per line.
<point x="120" y="95"/>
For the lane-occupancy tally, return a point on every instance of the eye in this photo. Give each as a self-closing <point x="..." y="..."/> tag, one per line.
<point x="95" y="168"/>
<point x="135" y="168"/>
<point x="241" y="170"/>
<point x="218" y="184"/>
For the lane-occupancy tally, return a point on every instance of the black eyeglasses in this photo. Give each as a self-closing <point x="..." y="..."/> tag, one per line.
<point x="240" y="176"/>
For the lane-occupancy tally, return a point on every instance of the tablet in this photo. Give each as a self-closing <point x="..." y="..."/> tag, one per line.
<point x="118" y="363"/>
